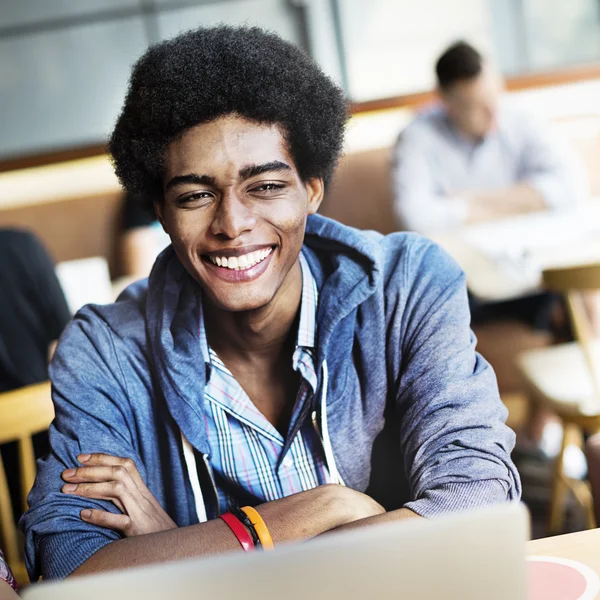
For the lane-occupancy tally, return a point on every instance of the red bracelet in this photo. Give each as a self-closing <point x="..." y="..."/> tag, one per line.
<point x="240" y="532"/>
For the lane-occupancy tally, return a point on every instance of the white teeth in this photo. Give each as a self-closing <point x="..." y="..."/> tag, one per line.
<point x="243" y="262"/>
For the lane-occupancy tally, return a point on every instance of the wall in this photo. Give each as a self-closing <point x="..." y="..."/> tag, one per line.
<point x="64" y="65"/>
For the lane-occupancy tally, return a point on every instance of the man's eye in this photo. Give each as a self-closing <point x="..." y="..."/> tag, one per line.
<point x="197" y="198"/>
<point x="268" y="187"/>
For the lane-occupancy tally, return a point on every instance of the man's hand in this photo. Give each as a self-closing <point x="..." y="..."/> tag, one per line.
<point x="308" y="514"/>
<point x="105" y="477"/>
<point x="518" y="199"/>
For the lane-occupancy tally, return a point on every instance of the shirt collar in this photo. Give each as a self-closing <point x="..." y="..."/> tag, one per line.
<point x="308" y="308"/>
<point x="460" y="138"/>
<point x="308" y="314"/>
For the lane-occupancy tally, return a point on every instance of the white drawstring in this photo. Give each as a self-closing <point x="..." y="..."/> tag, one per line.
<point x="329" y="458"/>
<point x="192" y="469"/>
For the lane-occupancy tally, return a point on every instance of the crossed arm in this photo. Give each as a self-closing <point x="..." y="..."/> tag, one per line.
<point x="150" y="535"/>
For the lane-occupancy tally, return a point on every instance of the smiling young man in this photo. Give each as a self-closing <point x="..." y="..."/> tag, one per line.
<point x="275" y="358"/>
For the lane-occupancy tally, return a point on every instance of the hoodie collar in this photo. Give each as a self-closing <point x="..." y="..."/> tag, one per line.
<point x="173" y="329"/>
<point x="346" y="265"/>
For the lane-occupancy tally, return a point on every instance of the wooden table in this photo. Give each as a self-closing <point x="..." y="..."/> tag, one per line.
<point x="583" y="546"/>
<point x="504" y="259"/>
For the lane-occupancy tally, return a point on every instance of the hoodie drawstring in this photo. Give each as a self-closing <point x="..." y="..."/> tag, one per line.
<point x="192" y="469"/>
<point x="327" y="447"/>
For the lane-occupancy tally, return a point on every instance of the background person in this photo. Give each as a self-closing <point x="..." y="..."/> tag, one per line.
<point x="33" y="309"/>
<point x="472" y="158"/>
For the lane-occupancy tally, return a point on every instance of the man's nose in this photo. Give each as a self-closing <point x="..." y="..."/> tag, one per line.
<point x="232" y="217"/>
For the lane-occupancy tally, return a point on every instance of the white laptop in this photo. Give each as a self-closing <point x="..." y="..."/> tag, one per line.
<point x="473" y="556"/>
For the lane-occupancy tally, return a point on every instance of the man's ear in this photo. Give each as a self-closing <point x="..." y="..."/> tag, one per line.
<point x="316" y="190"/>
<point x="159" y="206"/>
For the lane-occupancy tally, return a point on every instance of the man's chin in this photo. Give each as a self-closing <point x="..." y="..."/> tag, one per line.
<point x="242" y="303"/>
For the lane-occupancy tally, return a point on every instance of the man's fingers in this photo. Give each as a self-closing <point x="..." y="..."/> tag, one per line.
<point x="98" y="474"/>
<point x="113" y="491"/>
<point x="99" y="459"/>
<point x="103" y="518"/>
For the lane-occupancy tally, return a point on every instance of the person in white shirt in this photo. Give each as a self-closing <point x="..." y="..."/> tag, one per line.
<point x="471" y="158"/>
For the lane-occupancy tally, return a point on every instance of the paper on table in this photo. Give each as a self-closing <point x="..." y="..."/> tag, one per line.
<point x="525" y="245"/>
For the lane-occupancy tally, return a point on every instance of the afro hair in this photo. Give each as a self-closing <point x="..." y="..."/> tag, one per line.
<point x="206" y="73"/>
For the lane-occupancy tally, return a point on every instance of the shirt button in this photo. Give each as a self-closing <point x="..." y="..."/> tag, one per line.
<point x="288" y="462"/>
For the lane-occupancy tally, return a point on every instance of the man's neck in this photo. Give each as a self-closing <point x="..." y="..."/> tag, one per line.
<point x="465" y="136"/>
<point x="259" y="335"/>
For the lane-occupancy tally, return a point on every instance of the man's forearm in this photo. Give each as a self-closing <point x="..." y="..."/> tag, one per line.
<point x="294" y="518"/>
<point x="518" y="199"/>
<point x="185" y="542"/>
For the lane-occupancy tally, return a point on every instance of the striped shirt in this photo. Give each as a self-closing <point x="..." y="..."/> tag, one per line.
<point x="252" y="462"/>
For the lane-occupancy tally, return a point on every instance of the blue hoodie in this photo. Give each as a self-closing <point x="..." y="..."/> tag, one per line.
<point x="409" y="412"/>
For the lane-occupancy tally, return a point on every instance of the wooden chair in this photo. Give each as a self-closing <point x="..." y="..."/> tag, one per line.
<point x="592" y="453"/>
<point x="565" y="379"/>
<point x="23" y="413"/>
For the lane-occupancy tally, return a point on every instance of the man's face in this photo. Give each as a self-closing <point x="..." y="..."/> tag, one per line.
<point x="472" y="105"/>
<point x="235" y="209"/>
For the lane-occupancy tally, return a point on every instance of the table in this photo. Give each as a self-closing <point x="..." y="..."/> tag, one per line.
<point x="583" y="546"/>
<point x="504" y="259"/>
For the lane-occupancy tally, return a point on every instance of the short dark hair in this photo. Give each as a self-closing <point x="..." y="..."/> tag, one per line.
<point x="207" y="73"/>
<point x="459" y="62"/>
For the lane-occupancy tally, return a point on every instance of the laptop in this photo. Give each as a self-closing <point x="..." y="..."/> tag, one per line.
<point x="471" y="556"/>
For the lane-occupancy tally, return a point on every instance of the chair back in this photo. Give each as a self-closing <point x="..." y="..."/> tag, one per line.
<point x="580" y="286"/>
<point x="23" y="413"/>
<point x="361" y="192"/>
<point x="592" y="453"/>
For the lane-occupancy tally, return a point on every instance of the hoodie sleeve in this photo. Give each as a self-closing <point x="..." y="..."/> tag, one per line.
<point x="455" y="443"/>
<point x="91" y="406"/>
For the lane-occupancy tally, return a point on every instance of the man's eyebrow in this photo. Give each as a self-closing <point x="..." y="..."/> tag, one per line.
<point x="190" y="178"/>
<point x="254" y="170"/>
